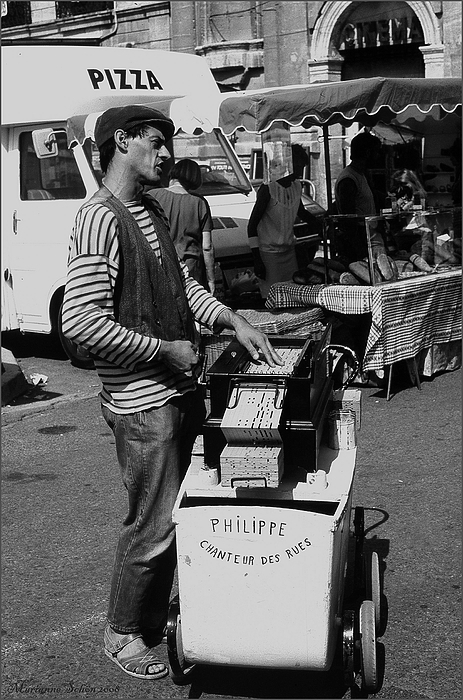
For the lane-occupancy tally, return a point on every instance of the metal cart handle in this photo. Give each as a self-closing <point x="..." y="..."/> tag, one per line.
<point x="344" y="350"/>
<point x="203" y="359"/>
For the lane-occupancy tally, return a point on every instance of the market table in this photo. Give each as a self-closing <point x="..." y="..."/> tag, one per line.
<point x="417" y="318"/>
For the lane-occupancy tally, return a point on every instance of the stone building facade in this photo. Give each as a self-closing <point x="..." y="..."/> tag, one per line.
<point x="251" y="44"/>
<point x="262" y="43"/>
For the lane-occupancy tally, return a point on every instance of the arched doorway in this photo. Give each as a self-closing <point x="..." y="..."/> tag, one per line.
<point x="364" y="39"/>
<point x="380" y="41"/>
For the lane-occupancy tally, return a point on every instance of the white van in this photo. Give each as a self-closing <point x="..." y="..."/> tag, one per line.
<point x="42" y="87"/>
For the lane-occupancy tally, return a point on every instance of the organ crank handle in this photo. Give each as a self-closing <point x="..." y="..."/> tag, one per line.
<point x="344" y="350"/>
<point x="202" y="380"/>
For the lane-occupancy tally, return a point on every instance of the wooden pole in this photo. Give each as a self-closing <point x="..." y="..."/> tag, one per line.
<point x="326" y="147"/>
<point x="327" y="227"/>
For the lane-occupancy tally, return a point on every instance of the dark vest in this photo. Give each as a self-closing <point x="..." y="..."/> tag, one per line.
<point x="149" y="297"/>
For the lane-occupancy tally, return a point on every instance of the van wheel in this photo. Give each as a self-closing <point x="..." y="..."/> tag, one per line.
<point x="79" y="356"/>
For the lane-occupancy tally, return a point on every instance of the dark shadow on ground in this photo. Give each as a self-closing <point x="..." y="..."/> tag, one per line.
<point x="267" y="683"/>
<point x="33" y="345"/>
<point x="33" y="395"/>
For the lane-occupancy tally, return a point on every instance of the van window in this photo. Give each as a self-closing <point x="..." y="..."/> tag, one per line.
<point x="220" y="167"/>
<point x="49" y="178"/>
<point x="219" y="164"/>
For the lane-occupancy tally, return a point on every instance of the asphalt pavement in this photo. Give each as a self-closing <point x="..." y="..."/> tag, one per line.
<point x="61" y="508"/>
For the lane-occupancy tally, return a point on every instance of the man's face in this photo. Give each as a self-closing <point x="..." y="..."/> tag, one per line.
<point x="146" y="156"/>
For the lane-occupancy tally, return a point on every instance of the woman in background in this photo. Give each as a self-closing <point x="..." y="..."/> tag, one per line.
<point x="271" y="224"/>
<point x="405" y="185"/>
<point x="190" y="221"/>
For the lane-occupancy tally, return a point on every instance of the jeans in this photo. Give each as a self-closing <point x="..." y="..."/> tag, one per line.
<point x="154" y="452"/>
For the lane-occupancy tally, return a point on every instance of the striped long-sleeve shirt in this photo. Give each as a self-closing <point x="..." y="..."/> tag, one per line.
<point x="133" y="380"/>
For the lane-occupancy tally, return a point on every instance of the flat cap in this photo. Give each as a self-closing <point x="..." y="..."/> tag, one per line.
<point x="128" y="117"/>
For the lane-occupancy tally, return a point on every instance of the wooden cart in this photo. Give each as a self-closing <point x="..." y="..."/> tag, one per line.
<point x="262" y="574"/>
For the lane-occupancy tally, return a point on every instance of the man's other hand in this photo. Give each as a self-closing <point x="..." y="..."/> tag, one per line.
<point x="178" y="355"/>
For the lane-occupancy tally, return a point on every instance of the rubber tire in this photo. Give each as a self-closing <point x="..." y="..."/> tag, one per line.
<point x="374" y="592"/>
<point x="77" y="355"/>
<point x="369" y="669"/>
<point x="359" y="557"/>
<point x="180" y="671"/>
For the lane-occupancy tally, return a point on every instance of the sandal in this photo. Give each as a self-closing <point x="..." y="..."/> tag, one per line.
<point x="136" y="665"/>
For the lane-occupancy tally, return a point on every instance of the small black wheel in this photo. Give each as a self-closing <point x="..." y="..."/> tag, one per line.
<point x="79" y="356"/>
<point x="181" y="671"/>
<point x="369" y="669"/>
<point x="348" y="648"/>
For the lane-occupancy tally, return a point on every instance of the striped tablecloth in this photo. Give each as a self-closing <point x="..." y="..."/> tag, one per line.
<point x="408" y="316"/>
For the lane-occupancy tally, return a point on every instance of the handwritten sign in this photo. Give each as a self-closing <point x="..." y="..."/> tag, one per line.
<point x="261" y="529"/>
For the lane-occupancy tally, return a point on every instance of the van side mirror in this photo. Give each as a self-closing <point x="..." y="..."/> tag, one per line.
<point x="45" y="145"/>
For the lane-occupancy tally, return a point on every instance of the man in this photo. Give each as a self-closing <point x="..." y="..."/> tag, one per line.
<point x="354" y="195"/>
<point x="132" y="304"/>
<point x="271" y="225"/>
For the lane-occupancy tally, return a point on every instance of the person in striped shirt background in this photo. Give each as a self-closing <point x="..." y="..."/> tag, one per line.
<point x="131" y="302"/>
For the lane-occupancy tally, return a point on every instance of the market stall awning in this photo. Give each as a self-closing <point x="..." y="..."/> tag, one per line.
<point x="189" y="114"/>
<point x="410" y="101"/>
<point x="80" y="127"/>
<point x="365" y="100"/>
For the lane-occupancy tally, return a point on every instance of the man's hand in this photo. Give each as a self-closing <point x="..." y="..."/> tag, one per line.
<point x="253" y="340"/>
<point x="179" y="355"/>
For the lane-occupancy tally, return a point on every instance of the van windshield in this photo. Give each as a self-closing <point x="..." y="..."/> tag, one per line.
<point x="221" y="169"/>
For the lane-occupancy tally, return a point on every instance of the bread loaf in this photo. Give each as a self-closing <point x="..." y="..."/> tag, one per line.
<point x="387" y="267"/>
<point x="348" y="278"/>
<point x="395" y="271"/>
<point x="307" y="277"/>
<point x="331" y="264"/>
<point x="361" y="271"/>
<point x="334" y="276"/>
<point x="419" y="263"/>
<point x="376" y="274"/>
<point x="384" y="266"/>
<point x="400" y="264"/>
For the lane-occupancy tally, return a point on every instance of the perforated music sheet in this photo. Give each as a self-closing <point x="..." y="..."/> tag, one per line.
<point x="253" y="415"/>
<point x="288" y="355"/>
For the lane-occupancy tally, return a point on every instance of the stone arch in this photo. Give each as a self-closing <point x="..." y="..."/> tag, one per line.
<point x="324" y="64"/>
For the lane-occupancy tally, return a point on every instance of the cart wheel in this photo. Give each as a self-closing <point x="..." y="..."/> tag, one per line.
<point x="180" y="671"/>
<point x="348" y="648"/>
<point x="374" y="586"/>
<point x="359" y="564"/>
<point x="369" y="669"/>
